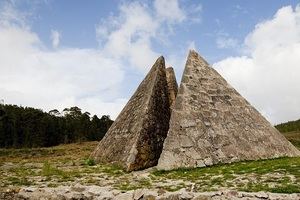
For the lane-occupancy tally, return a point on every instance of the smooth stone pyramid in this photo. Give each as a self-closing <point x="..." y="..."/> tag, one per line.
<point x="212" y="123"/>
<point x="172" y="85"/>
<point x="135" y="139"/>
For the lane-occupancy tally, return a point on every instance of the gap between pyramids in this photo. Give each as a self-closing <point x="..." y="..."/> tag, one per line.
<point x="204" y="122"/>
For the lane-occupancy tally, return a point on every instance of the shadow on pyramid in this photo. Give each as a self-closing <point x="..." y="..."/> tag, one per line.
<point x="135" y="139"/>
<point x="212" y="123"/>
<point x="172" y="85"/>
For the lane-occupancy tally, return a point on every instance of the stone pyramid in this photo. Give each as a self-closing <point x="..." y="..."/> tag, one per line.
<point x="212" y="123"/>
<point x="135" y="139"/>
<point x="172" y="85"/>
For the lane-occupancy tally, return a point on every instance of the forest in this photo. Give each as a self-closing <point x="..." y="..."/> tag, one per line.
<point x="26" y="127"/>
<point x="289" y="126"/>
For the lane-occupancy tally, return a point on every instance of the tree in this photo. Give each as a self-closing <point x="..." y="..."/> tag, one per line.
<point x="29" y="127"/>
<point x="54" y="112"/>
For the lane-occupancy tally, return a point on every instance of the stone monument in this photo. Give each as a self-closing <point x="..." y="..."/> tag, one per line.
<point x="135" y="139"/>
<point x="212" y="123"/>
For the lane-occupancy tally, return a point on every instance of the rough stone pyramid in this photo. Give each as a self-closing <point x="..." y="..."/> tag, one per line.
<point x="212" y="123"/>
<point x="135" y="139"/>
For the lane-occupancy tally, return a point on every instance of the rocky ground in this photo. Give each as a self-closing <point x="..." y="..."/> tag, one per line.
<point x="81" y="192"/>
<point x="65" y="172"/>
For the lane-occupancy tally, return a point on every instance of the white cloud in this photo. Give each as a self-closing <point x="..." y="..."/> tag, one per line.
<point x="55" y="37"/>
<point x="269" y="74"/>
<point x="169" y="10"/>
<point x="32" y="75"/>
<point x="227" y="43"/>
<point x="10" y="16"/>
<point x="194" y="13"/>
<point x="129" y="35"/>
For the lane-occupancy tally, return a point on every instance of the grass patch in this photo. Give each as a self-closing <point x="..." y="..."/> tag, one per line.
<point x="289" y="188"/>
<point x="288" y="165"/>
<point x="21" y="171"/>
<point x="173" y="188"/>
<point x="52" y="185"/>
<point x="126" y="184"/>
<point x="61" y="153"/>
<point x="285" y="188"/>
<point x="53" y="172"/>
<point x="49" y="170"/>
<point x="112" y="170"/>
<point x="90" y="162"/>
<point x="20" y="181"/>
<point x="225" y="175"/>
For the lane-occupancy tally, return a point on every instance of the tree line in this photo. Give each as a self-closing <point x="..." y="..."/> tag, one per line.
<point x="29" y="127"/>
<point x="289" y="126"/>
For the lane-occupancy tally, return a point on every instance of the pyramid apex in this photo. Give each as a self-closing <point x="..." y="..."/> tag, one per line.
<point x="159" y="64"/>
<point x="192" y="51"/>
<point x="160" y="59"/>
<point x="170" y="69"/>
<point x="193" y="54"/>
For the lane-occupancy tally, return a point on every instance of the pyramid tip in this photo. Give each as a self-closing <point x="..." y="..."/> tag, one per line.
<point x="161" y="58"/>
<point x="195" y="55"/>
<point x="159" y="63"/>
<point x="170" y="68"/>
<point x="193" y="52"/>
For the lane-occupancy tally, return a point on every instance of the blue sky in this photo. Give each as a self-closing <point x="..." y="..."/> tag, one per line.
<point x="93" y="54"/>
<point x="76" y="20"/>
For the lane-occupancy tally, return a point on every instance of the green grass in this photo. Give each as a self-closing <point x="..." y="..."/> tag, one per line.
<point x="113" y="170"/>
<point x="50" y="172"/>
<point x="19" y="181"/>
<point x="22" y="171"/>
<point x="55" y="166"/>
<point x="293" y="137"/>
<point x="173" y="188"/>
<point x="252" y="172"/>
<point x="64" y="164"/>
<point x="291" y="165"/>
<point x="61" y="153"/>
<point x="90" y="162"/>
<point x="27" y="152"/>
<point x="125" y="184"/>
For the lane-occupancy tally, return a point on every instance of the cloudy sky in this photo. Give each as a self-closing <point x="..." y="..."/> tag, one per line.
<point x="59" y="53"/>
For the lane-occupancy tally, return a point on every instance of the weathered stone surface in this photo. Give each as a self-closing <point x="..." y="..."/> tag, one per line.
<point x="62" y="193"/>
<point x="212" y="123"/>
<point x="172" y="85"/>
<point x="135" y="139"/>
